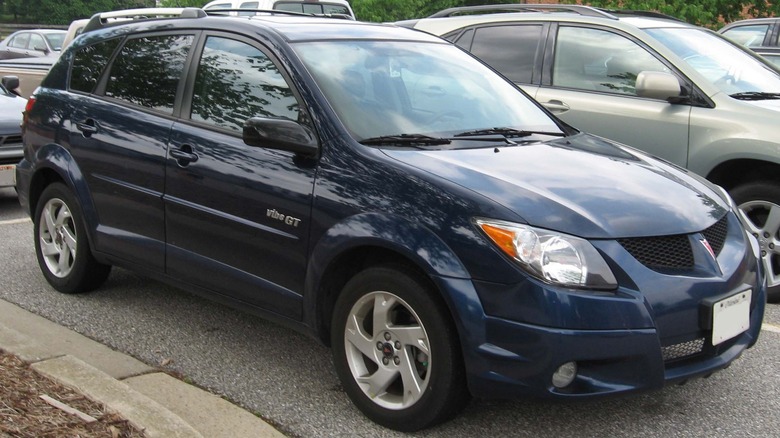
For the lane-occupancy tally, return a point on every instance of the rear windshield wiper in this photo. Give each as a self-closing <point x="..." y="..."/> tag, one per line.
<point x="507" y="132"/>
<point x="405" y="139"/>
<point x="755" y="95"/>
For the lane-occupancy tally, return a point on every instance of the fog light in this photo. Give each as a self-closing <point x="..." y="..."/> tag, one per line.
<point x="564" y="375"/>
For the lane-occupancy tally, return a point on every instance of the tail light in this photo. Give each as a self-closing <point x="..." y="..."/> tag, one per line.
<point x="27" y="109"/>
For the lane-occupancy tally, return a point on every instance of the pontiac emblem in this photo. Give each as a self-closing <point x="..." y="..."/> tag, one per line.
<point x="709" y="248"/>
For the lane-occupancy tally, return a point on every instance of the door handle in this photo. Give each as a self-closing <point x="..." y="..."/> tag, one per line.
<point x="87" y="127"/>
<point x="556" y="106"/>
<point x="184" y="155"/>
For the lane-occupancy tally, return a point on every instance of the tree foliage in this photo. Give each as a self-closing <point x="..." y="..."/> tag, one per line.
<point x="710" y="13"/>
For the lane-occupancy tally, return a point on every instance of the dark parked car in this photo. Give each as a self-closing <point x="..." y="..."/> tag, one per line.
<point x="754" y="32"/>
<point x="32" y="43"/>
<point x="758" y="34"/>
<point x="386" y="193"/>
<point x="11" y="108"/>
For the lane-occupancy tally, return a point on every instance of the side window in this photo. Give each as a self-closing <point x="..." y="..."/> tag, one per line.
<point x="37" y="42"/>
<point x="750" y="36"/>
<point x="147" y="71"/>
<point x="509" y="49"/>
<point x="597" y="60"/>
<point x="88" y="64"/>
<point x="236" y="81"/>
<point x="20" y="41"/>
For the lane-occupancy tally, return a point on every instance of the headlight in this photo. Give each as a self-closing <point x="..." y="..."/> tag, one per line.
<point x="549" y="256"/>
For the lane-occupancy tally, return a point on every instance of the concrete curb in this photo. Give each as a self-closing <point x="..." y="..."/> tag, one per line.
<point x="154" y="402"/>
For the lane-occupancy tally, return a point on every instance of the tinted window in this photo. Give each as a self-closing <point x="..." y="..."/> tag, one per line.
<point x="88" y="64"/>
<point x="236" y="81"/>
<point x="509" y="49"/>
<point x="592" y="59"/>
<point x="147" y="71"/>
<point x="750" y="36"/>
<point x="312" y="8"/>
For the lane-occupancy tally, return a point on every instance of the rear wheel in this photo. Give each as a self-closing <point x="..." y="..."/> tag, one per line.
<point x="61" y="243"/>
<point x="760" y="201"/>
<point x="396" y="351"/>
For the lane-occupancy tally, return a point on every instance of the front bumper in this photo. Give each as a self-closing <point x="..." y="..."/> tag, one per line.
<point x="656" y="329"/>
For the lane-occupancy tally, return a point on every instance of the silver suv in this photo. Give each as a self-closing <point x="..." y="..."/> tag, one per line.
<point x="679" y="91"/>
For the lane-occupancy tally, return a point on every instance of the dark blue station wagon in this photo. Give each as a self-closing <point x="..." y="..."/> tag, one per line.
<point x="393" y="197"/>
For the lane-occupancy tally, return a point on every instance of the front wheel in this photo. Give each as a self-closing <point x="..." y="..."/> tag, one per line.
<point x="760" y="203"/>
<point x="396" y="351"/>
<point x="61" y="243"/>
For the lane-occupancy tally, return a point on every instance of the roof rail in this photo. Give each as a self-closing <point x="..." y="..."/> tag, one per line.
<point x="633" y="13"/>
<point x="492" y="9"/>
<point x="104" y="19"/>
<point x="247" y="11"/>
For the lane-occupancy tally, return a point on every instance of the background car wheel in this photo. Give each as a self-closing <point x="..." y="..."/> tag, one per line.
<point x="760" y="201"/>
<point x="396" y="351"/>
<point x="61" y="243"/>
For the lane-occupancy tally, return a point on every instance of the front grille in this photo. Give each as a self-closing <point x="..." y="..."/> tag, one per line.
<point x="674" y="252"/>
<point x="664" y="252"/>
<point x="716" y="234"/>
<point x="10" y="140"/>
<point x="683" y="349"/>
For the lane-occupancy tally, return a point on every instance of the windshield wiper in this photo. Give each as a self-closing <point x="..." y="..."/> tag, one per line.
<point x="507" y="132"/>
<point x="405" y="139"/>
<point x="755" y="95"/>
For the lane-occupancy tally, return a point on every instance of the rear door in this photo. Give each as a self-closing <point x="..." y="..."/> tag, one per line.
<point x="237" y="216"/>
<point x="119" y="131"/>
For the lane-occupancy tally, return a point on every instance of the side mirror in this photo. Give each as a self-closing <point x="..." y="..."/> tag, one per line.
<point x="657" y="85"/>
<point x="281" y="134"/>
<point x="11" y="83"/>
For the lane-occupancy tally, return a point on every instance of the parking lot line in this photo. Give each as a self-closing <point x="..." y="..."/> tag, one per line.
<point x="15" y="221"/>
<point x="770" y="328"/>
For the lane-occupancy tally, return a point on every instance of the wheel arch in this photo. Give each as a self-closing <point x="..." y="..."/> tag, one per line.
<point x="732" y="173"/>
<point x="372" y="240"/>
<point x="53" y="163"/>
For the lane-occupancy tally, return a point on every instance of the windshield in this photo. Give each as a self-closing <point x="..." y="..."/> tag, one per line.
<point x="393" y="88"/>
<point x="725" y="65"/>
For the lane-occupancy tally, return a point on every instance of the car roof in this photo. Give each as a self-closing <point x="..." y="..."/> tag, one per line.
<point x="617" y="19"/>
<point x="296" y="27"/>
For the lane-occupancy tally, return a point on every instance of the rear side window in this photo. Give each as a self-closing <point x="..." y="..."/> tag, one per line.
<point x="88" y="64"/>
<point x="509" y="49"/>
<point x="20" y="41"/>
<point x="147" y="70"/>
<point x="237" y="81"/>
<point x="750" y="36"/>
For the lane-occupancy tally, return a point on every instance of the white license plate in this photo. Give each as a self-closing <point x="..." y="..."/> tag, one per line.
<point x="730" y="317"/>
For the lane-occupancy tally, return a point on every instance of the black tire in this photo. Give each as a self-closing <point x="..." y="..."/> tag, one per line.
<point x="759" y="201"/>
<point x="61" y="244"/>
<point x="439" y="390"/>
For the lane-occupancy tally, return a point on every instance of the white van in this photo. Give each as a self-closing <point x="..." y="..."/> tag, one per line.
<point x="340" y="7"/>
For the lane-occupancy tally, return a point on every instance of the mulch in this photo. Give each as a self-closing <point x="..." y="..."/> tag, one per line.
<point x="23" y="413"/>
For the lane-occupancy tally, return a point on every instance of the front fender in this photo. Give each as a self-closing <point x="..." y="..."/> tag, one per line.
<point x="410" y="240"/>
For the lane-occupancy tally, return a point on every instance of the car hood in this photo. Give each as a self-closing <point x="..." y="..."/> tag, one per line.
<point x="581" y="185"/>
<point x="770" y="104"/>
<point x="11" y="108"/>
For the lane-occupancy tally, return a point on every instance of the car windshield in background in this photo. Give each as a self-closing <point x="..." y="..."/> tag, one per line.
<point x="381" y="89"/>
<point x="730" y="69"/>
